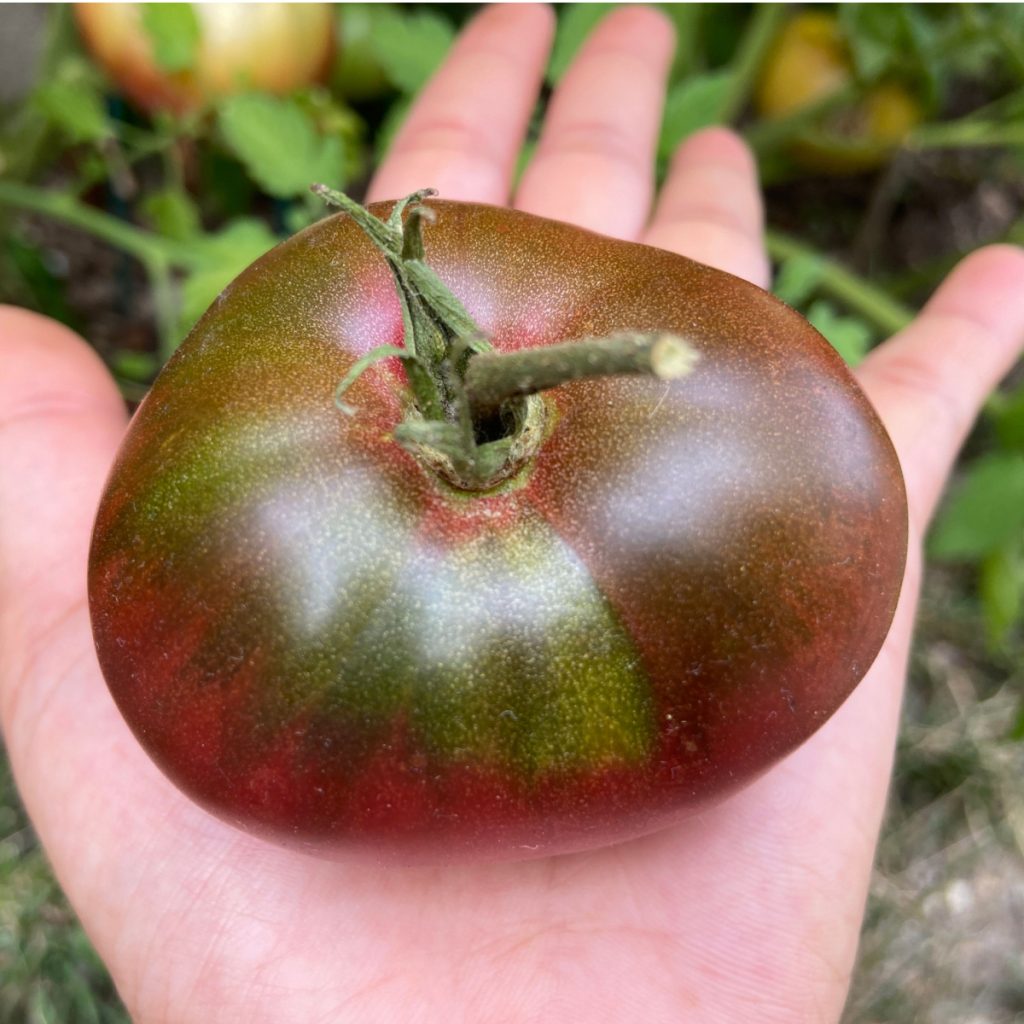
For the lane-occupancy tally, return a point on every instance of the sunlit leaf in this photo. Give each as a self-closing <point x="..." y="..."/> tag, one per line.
<point x="410" y="46"/>
<point x="279" y="145"/>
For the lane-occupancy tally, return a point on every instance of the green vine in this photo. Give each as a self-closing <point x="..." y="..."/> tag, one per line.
<point x="858" y="295"/>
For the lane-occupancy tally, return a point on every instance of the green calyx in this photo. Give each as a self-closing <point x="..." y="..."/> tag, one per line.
<point x="476" y="417"/>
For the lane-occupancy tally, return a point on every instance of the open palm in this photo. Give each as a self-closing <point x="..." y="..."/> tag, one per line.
<point x="749" y="912"/>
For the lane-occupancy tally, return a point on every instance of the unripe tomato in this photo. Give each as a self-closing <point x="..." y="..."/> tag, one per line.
<point x="809" y="62"/>
<point x="273" y="47"/>
<point x="321" y="640"/>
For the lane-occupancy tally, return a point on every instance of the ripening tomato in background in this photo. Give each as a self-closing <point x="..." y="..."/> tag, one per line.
<point x="808" y="62"/>
<point x="270" y="47"/>
<point x="322" y="641"/>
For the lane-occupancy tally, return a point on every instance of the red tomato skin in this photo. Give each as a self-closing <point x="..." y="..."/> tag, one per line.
<point x="323" y="643"/>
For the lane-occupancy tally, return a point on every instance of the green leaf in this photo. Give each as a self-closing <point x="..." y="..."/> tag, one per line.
<point x="172" y="213"/>
<point x="173" y="30"/>
<point x="75" y="108"/>
<point x="984" y="512"/>
<point x="357" y="73"/>
<point x="898" y="40"/>
<point x="850" y="336"/>
<point x="691" y="105"/>
<point x="410" y="46"/>
<point x="1017" y="729"/>
<point x="334" y="118"/>
<point x="220" y="259"/>
<point x="873" y="33"/>
<point x="278" y="143"/>
<point x="23" y="135"/>
<point x="1001" y="586"/>
<point x="575" y="23"/>
<point x="924" y="42"/>
<point x="137" y="366"/>
<point x="798" y="278"/>
<point x="686" y="19"/>
<point x="299" y="215"/>
<point x="1009" y="421"/>
<point x="27" y="278"/>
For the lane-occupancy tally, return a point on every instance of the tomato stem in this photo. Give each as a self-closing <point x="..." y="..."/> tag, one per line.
<point x="476" y="420"/>
<point x="493" y="378"/>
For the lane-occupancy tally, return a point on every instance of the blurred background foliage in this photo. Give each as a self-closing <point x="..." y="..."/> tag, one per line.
<point x="142" y="169"/>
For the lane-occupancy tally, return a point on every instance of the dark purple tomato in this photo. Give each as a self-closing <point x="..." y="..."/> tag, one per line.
<point x="323" y="642"/>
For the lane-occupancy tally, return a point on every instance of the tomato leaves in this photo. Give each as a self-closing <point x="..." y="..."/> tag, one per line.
<point x="279" y="144"/>
<point x="984" y="511"/>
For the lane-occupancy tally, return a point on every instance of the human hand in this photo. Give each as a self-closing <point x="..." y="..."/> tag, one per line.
<point x="750" y="911"/>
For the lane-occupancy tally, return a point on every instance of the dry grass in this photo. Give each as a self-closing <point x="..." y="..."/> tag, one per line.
<point x="943" y="942"/>
<point x="49" y="973"/>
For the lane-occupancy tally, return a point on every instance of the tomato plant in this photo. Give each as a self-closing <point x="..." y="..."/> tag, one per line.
<point x="668" y="586"/>
<point x="182" y="56"/>
<point x="358" y="74"/>
<point x="810" y="62"/>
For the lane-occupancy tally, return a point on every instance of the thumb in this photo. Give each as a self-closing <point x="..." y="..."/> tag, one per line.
<point x="61" y="419"/>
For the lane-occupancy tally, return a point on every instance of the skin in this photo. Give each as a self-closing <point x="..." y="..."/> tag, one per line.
<point x="749" y="912"/>
<point x="319" y="640"/>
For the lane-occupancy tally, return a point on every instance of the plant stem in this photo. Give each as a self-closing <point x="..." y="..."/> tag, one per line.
<point x="759" y="35"/>
<point x="458" y="383"/>
<point x="964" y="134"/>
<point x="493" y="377"/>
<point x="156" y="253"/>
<point x="994" y="124"/>
<point x="770" y="134"/>
<point x="858" y="295"/>
<point x="145" y="246"/>
<point x="164" y="306"/>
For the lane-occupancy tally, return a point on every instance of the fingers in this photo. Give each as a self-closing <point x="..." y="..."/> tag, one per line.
<point x="594" y="164"/>
<point x="930" y="380"/>
<point x="465" y="129"/>
<point x="61" y="419"/>
<point x="710" y="208"/>
<point x="79" y="771"/>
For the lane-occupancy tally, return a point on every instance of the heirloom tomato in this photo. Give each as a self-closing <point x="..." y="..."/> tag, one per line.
<point x="326" y="641"/>
<point x="270" y="47"/>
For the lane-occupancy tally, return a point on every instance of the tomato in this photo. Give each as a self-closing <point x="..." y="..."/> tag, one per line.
<point x="809" y="62"/>
<point x="270" y="47"/>
<point x="323" y="641"/>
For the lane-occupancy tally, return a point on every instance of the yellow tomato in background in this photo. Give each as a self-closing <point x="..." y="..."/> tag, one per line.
<point x="809" y="62"/>
<point x="273" y="47"/>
